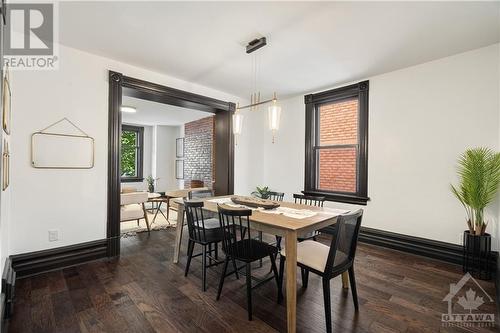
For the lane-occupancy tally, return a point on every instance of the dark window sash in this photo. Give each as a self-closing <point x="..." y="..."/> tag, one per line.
<point x="139" y="177"/>
<point x="312" y="147"/>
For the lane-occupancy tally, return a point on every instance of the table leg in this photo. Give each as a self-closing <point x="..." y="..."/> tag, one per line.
<point x="345" y="280"/>
<point x="168" y="207"/>
<point x="157" y="210"/>
<point x="178" y="233"/>
<point x="291" y="280"/>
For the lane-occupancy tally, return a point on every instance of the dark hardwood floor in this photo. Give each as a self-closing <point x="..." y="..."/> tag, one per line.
<point x="144" y="291"/>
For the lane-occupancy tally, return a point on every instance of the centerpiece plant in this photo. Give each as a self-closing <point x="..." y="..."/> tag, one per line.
<point x="262" y="192"/>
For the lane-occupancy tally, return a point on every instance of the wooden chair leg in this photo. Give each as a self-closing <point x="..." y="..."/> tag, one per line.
<point x="146" y="217"/>
<point x="249" y="290"/>
<point x="280" y="285"/>
<point x="190" y="255"/>
<point x="204" y="268"/>
<point x="222" y="277"/>
<point x="328" y="305"/>
<point x="352" y="280"/>
<point x="305" y="277"/>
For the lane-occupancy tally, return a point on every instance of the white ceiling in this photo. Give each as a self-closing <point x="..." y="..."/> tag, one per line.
<point x="152" y="113"/>
<point x="311" y="45"/>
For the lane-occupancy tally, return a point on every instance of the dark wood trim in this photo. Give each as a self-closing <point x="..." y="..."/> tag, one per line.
<point x="114" y="136"/>
<point x="312" y="102"/>
<point x="8" y="293"/>
<point x="33" y="263"/>
<point x="140" y="158"/>
<point x="448" y="252"/>
<point x="223" y="150"/>
<point x="339" y="197"/>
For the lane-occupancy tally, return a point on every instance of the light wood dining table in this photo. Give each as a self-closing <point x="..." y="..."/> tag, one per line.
<point x="281" y="225"/>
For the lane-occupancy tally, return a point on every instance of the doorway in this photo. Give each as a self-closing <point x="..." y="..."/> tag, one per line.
<point x="222" y="179"/>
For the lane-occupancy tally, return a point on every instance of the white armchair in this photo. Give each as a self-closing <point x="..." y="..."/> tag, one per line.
<point x="132" y="207"/>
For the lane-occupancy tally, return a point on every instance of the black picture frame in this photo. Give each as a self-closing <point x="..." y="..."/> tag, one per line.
<point x="179" y="169"/>
<point x="3" y="8"/>
<point x="179" y="147"/>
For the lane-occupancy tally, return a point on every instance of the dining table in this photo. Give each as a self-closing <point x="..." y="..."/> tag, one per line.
<point x="289" y="221"/>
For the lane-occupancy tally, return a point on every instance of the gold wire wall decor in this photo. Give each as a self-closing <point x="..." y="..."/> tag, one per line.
<point x="6" y="101"/>
<point x="5" y="165"/>
<point x="53" y="150"/>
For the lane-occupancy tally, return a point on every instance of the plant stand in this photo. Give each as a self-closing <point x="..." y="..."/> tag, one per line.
<point x="477" y="258"/>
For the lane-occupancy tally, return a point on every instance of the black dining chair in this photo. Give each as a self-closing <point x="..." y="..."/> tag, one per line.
<point x="206" y="193"/>
<point x="244" y="248"/>
<point x="329" y="261"/>
<point x="309" y="200"/>
<point x="200" y="233"/>
<point x="276" y="196"/>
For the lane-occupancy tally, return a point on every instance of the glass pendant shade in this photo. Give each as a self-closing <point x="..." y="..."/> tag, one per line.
<point x="237" y="123"/>
<point x="274" y="113"/>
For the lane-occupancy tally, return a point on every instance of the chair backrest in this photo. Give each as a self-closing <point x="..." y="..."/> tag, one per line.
<point x="133" y="198"/>
<point x="195" y="219"/>
<point x="276" y="196"/>
<point x="206" y="193"/>
<point x="309" y="200"/>
<point x="345" y="241"/>
<point x="233" y="222"/>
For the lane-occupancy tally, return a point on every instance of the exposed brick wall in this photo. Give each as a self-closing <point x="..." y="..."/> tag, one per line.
<point x="198" y="149"/>
<point x="338" y="126"/>
<point x="338" y="123"/>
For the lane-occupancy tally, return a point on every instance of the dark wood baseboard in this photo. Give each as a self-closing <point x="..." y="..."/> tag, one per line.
<point x="32" y="263"/>
<point x="7" y="294"/>
<point x="451" y="253"/>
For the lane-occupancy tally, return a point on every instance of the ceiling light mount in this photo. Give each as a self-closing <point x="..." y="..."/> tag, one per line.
<point x="274" y="110"/>
<point x="256" y="44"/>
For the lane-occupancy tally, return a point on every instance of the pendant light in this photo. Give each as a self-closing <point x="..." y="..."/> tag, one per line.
<point x="274" y="110"/>
<point x="274" y="115"/>
<point x="237" y="125"/>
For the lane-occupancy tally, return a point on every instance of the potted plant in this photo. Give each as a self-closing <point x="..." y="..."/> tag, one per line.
<point x="261" y="192"/>
<point x="479" y="179"/>
<point x="151" y="183"/>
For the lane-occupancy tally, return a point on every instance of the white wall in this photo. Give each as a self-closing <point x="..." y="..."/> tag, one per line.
<point x="71" y="201"/>
<point x="421" y="118"/>
<point x="164" y="142"/>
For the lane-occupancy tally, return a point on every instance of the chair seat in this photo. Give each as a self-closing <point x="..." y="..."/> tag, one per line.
<point x="249" y="250"/>
<point x="315" y="254"/>
<point x="131" y="212"/>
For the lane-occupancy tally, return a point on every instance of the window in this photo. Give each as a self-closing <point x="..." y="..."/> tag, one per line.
<point x="337" y="144"/>
<point x="132" y="153"/>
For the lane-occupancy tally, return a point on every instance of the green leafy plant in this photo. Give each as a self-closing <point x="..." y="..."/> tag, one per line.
<point x="479" y="173"/>
<point x="261" y="192"/>
<point x="128" y="154"/>
<point x="151" y="181"/>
